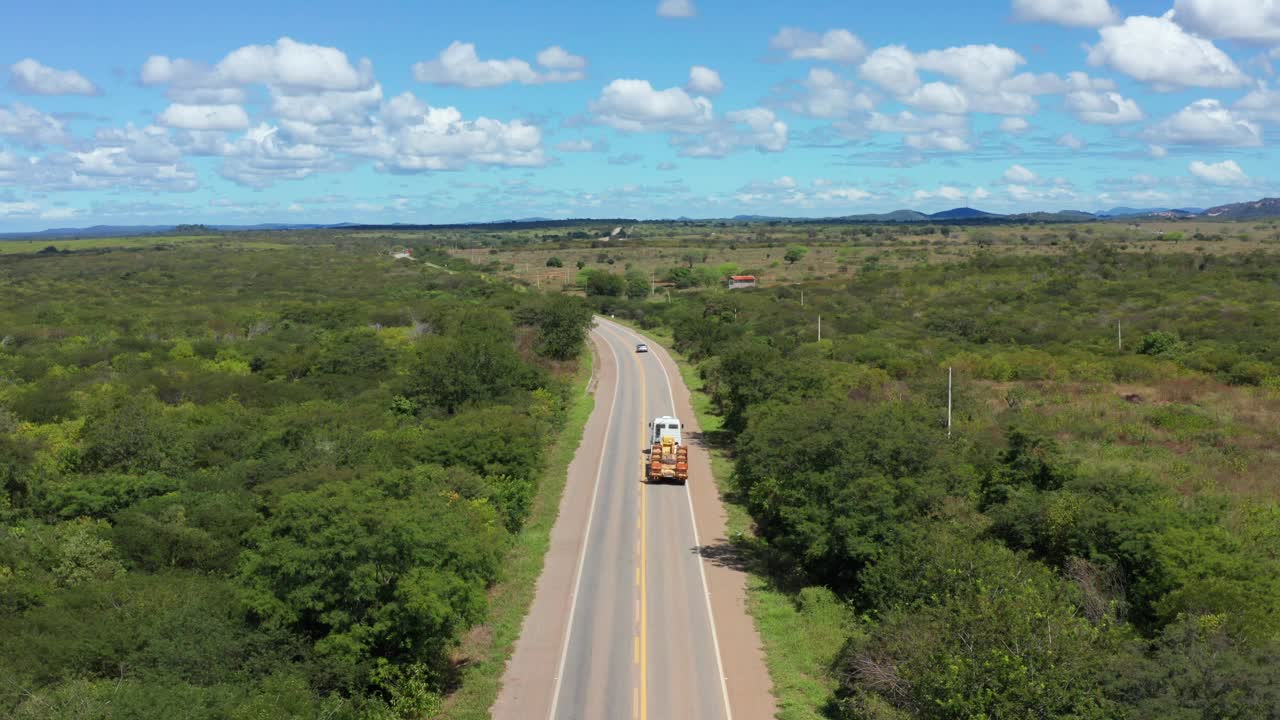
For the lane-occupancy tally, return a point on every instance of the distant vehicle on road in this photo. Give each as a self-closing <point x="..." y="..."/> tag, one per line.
<point x="642" y="348"/>
<point x="668" y="456"/>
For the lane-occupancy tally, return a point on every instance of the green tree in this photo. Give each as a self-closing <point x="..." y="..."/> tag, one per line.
<point x="1197" y="670"/>
<point x="554" y="262"/>
<point x="833" y="485"/>
<point x="1159" y="342"/>
<point x="992" y="636"/>
<point x="473" y="365"/>
<point x="373" y="571"/>
<point x="794" y="254"/>
<point x="16" y="455"/>
<point x="563" y="322"/>
<point x="637" y="286"/>
<point x="133" y="432"/>
<point x="606" y="284"/>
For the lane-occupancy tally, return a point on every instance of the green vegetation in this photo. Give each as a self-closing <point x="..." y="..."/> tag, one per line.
<point x="490" y="645"/>
<point x="246" y="483"/>
<point x="1097" y="538"/>
<point x="281" y="474"/>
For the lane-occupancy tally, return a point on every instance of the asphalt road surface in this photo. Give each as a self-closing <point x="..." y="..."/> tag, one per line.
<point x="622" y="625"/>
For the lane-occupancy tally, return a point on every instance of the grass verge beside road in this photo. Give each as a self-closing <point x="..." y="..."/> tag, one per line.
<point x="488" y="646"/>
<point x="802" y="632"/>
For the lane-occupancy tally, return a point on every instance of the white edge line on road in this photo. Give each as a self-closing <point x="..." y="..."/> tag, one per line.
<point x="586" y="535"/>
<point x="702" y="572"/>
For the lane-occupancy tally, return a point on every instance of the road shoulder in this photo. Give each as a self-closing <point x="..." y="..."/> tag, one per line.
<point x="529" y="680"/>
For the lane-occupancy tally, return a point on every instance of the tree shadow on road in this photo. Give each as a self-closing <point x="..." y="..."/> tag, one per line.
<point x="713" y="439"/>
<point x="725" y="554"/>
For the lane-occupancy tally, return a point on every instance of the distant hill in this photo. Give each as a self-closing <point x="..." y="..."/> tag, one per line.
<point x="95" y="231"/>
<point x="963" y="213"/>
<point x="98" y="231"/>
<point x="1060" y="216"/>
<point x="1128" y="212"/>
<point x="1264" y="208"/>
<point x="897" y="216"/>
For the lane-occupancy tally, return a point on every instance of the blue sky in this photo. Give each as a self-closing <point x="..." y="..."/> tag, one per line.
<point x="140" y="113"/>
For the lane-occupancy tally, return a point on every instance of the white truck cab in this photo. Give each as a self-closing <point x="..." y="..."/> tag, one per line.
<point x="665" y="426"/>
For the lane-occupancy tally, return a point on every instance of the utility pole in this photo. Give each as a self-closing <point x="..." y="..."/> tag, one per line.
<point x="948" y="402"/>
<point x="651" y="284"/>
<point x="802" y="298"/>
<point x="1119" y="338"/>
<point x="819" y="328"/>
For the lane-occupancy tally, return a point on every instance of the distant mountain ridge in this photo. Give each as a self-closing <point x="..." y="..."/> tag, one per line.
<point x="1252" y="210"/>
<point x="1264" y="208"/>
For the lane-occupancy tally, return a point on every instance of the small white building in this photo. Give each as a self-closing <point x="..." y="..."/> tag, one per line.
<point x="741" y="282"/>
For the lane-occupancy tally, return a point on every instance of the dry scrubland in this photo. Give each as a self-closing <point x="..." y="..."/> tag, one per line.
<point x="832" y="251"/>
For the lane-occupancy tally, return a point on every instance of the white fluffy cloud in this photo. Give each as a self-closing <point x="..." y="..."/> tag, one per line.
<point x="1226" y="172"/>
<point x="114" y="166"/>
<point x="29" y="77"/>
<point x="1015" y="125"/>
<point x="980" y="78"/>
<point x="892" y="67"/>
<point x="28" y="209"/>
<point x="1071" y="142"/>
<point x="1072" y="13"/>
<point x="1103" y="108"/>
<point x="938" y="140"/>
<point x="1025" y="194"/>
<point x="304" y="81"/>
<point x="938" y="97"/>
<point x="753" y="128"/>
<point x="635" y="106"/>
<point x="442" y="139"/>
<point x="461" y="66"/>
<point x="837" y="45"/>
<point x="557" y="58"/>
<point x="908" y="122"/>
<point x="287" y="63"/>
<point x="204" y="117"/>
<point x="676" y="9"/>
<point x="1263" y="104"/>
<point x="946" y="192"/>
<point x="1253" y="21"/>
<point x="292" y="64"/>
<point x="827" y="95"/>
<point x="704" y="81"/>
<point x="114" y="159"/>
<point x="1158" y="51"/>
<point x="31" y="128"/>
<point x="786" y="191"/>
<point x="1206" y="122"/>
<point x="978" y="67"/>
<point x="1019" y="174"/>
<point x="261" y="157"/>
<point x="582" y="145"/>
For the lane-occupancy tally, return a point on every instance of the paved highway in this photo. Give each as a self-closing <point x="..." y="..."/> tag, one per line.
<point x="625" y="629"/>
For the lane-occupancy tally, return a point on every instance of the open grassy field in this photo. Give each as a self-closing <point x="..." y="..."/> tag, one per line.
<point x="12" y="247"/>
<point x="832" y="251"/>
